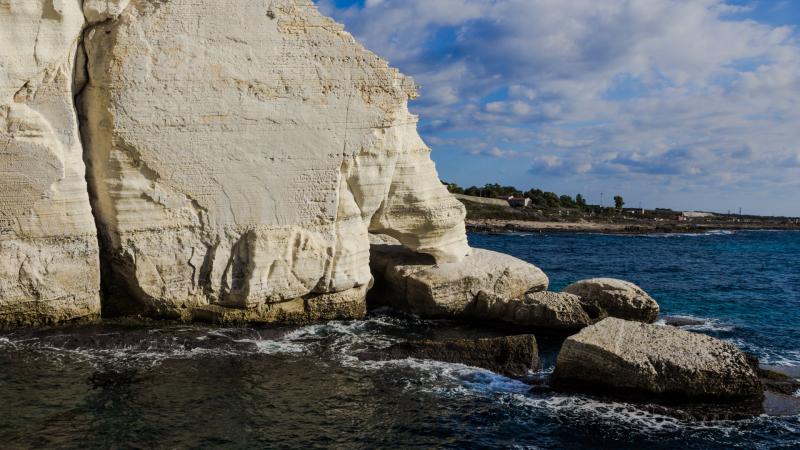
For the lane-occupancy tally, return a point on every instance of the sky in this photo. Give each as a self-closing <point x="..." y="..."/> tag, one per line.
<point x="686" y="104"/>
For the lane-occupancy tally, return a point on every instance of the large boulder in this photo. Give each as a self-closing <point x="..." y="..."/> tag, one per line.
<point x="633" y="358"/>
<point x="414" y="283"/>
<point x="615" y="298"/>
<point x="49" y="270"/>
<point x="242" y="167"/>
<point x="545" y="310"/>
<point x="512" y="356"/>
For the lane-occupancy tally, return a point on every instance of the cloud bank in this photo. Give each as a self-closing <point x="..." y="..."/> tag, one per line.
<point x="690" y="104"/>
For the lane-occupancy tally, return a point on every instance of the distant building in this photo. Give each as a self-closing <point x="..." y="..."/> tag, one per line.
<point x="696" y="215"/>
<point x="519" y="202"/>
<point x="639" y="211"/>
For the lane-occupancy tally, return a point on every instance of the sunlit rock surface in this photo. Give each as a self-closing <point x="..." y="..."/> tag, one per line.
<point x="240" y="152"/>
<point x="48" y="248"/>
<point x="418" y="284"/>
<point x="609" y="297"/>
<point x="635" y="358"/>
<point x="544" y="310"/>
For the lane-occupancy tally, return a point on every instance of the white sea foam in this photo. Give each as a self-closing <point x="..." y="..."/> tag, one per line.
<point x="681" y="235"/>
<point x="707" y="325"/>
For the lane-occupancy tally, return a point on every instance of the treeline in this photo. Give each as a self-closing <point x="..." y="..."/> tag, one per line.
<point x="538" y="197"/>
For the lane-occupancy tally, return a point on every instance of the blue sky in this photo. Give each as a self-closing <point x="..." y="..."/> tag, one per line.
<point x="689" y="104"/>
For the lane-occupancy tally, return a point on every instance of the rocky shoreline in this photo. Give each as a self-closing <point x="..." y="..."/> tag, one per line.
<point x="158" y="163"/>
<point x="612" y="348"/>
<point x="505" y="226"/>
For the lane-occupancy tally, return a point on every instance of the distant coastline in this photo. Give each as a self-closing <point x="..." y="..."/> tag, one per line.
<point x="493" y="216"/>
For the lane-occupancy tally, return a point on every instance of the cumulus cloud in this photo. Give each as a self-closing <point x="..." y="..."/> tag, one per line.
<point x="657" y="90"/>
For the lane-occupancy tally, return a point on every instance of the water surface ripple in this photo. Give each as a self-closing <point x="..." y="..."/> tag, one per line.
<point x="120" y="385"/>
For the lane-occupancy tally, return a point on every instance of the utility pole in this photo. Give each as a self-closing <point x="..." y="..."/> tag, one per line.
<point x="601" y="199"/>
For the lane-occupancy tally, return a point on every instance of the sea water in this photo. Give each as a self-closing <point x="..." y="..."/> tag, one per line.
<point x="123" y="385"/>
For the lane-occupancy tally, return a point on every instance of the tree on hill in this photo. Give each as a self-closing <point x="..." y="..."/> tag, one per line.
<point x="552" y="200"/>
<point x="619" y="202"/>
<point x="580" y="201"/>
<point x="493" y="190"/>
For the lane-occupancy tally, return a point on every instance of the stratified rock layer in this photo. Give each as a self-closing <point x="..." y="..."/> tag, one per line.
<point x="48" y="249"/>
<point x="415" y="283"/>
<point x="241" y="151"/>
<point x="608" y="297"/>
<point x="672" y="364"/>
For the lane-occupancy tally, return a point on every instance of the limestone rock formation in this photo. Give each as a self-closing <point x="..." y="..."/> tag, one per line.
<point x="240" y="152"/>
<point x="48" y="248"/>
<point x="635" y="358"/>
<point x="102" y="10"/>
<point x="546" y="310"/>
<point x="512" y="356"/>
<point x="415" y="283"/>
<point x="615" y="298"/>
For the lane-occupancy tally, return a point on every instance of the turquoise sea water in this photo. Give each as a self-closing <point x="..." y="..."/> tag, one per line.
<point x="118" y="385"/>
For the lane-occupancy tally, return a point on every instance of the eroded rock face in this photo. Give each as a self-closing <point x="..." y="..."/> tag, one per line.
<point x="414" y="283"/>
<point x="512" y="356"/>
<point x="241" y="151"/>
<point x="48" y="249"/>
<point x="102" y="10"/>
<point x="615" y="298"/>
<point x="545" y="310"/>
<point x="671" y="364"/>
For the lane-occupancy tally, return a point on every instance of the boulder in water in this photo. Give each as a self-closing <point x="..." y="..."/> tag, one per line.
<point x="507" y="355"/>
<point x="414" y="283"/>
<point x="616" y="298"/>
<point x="546" y="310"/>
<point x="632" y="358"/>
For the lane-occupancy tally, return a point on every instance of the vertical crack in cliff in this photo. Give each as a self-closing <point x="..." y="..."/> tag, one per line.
<point x="113" y="300"/>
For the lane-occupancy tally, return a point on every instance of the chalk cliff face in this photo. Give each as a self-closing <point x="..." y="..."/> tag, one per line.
<point x="240" y="152"/>
<point x="48" y="247"/>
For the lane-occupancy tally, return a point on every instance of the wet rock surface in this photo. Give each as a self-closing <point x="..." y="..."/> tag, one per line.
<point x="512" y="356"/>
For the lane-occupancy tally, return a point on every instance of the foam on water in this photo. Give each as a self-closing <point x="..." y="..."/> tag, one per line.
<point x="705" y="325"/>
<point x="682" y="235"/>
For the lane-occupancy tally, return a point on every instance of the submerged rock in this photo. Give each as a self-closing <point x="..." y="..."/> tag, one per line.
<point x="683" y="321"/>
<point x="414" y="283"/>
<point x="615" y="298"/>
<point x="547" y="310"/>
<point x="512" y="356"/>
<point x="632" y="358"/>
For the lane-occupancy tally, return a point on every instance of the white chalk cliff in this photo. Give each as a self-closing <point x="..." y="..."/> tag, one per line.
<point x="48" y="248"/>
<point x="239" y="154"/>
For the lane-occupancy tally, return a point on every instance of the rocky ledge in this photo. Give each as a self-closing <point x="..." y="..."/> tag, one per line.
<point x="415" y="283"/>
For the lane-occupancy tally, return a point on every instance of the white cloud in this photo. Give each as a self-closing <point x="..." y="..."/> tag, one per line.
<point x="686" y="90"/>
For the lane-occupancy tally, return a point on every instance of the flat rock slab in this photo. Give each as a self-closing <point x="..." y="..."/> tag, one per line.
<point x="413" y="282"/>
<point x="513" y="356"/>
<point x="633" y="358"/>
<point x="616" y="298"/>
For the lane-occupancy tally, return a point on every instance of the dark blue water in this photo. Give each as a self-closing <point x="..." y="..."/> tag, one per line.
<point x="747" y="284"/>
<point x="122" y="385"/>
